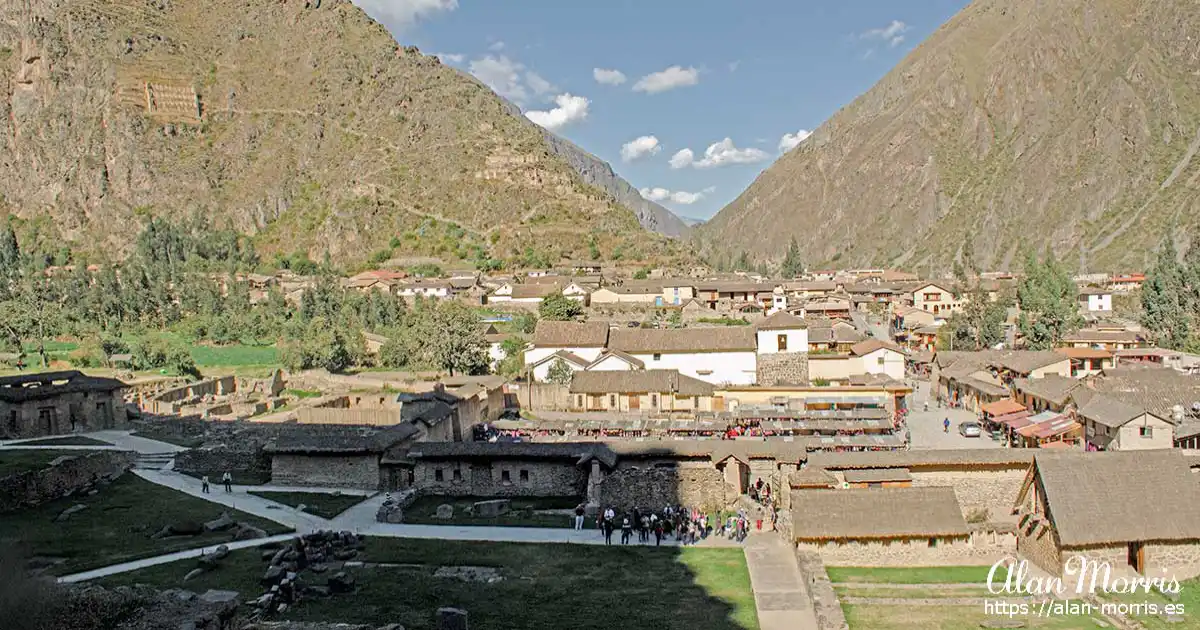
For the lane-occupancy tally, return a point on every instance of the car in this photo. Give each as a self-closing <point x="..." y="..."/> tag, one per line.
<point x="970" y="429"/>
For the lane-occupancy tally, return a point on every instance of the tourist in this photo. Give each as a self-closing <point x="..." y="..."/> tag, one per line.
<point x="606" y="526"/>
<point x="946" y="425"/>
<point x="204" y="484"/>
<point x="626" y="531"/>
<point x="579" y="517"/>
<point x="227" y="479"/>
<point x="658" y="533"/>
<point x="644" y="529"/>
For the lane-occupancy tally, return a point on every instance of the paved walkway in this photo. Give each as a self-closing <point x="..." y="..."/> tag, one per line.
<point x="238" y="500"/>
<point x="119" y="440"/>
<point x="125" y="567"/>
<point x="780" y="594"/>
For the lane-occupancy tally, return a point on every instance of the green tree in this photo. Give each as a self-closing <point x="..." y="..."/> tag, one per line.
<point x="457" y="344"/>
<point x="10" y="251"/>
<point x="743" y="262"/>
<point x="559" y="373"/>
<point x="641" y="274"/>
<point x="1047" y="296"/>
<point x="514" y="357"/>
<point x="793" y="265"/>
<point x="980" y="325"/>
<point x="1167" y="300"/>
<point x="558" y="307"/>
<point x="525" y="322"/>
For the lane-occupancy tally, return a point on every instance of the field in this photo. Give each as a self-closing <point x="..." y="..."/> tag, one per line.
<point x="19" y="460"/>
<point x="116" y="526"/>
<point x="234" y="355"/>
<point x="317" y="503"/>
<point x="424" y="510"/>
<point x="544" y="587"/>
<point x="1189" y="598"/>
<point x="66" y="440"/>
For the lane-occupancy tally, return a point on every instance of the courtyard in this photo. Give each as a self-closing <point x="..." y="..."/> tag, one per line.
<point x="926" y="430"/>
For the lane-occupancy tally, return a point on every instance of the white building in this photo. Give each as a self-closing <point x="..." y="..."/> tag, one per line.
<point x="422" y="288"/>
<point x="936" y="299"/>
<point x="879" y="357"/>
<point x="583" y="340"/>
<point x="781" y="332"/>
<point x="1095" y="300"/>
<point x="715" y="355"/>
<point x="540" y="369"/>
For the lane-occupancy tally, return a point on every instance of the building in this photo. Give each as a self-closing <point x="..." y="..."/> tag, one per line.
<point x="642" y="391"/>
<point x="629" y="293"/>
<point x="716" y="355"/>
<point x="585" y="340"/>
<point x="878" y="478"/>
<point x="937" y="299"/>
<point x="1111" y="339"/>
<point x="1093" y="300"/>
<point x="1160" y="357"/>
<point x="973" y="379"/>
<point x="339" y="457"/>
<point x="1049" y="393"/>
<point x="534" y="293"/>
<point x="539" y="370"/>
<point x="55" y="403"/>
<point x="1111" y="425"/>
<point x="1136" y="509"/>
<point x="879" y="357"/>
<point x="781" y="332"/>
<point x="1088" y="361"/>
<point x="1124" y="283"/>
<point x="439" y="289"/>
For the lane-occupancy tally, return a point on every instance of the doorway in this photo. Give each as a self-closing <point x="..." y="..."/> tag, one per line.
<point x="1137" y="557"/>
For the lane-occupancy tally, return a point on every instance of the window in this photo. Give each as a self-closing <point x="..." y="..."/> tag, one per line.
<point x="654" y="401"/>
<point x="612" y="401"/>
<point x="457" y="476"/>
<point x="879" y="361"/>
<point x="1146" y="432"/>
<point x="933" y="542"/>
<point x="505" y="477"/>
<point x="933" y="297"/>
<point x="657" y="357"/>
<point x="438" y="475"/>
<point x="781" y="342"/>
<point x="525" y="475"/>
<point x="579" y="400"/>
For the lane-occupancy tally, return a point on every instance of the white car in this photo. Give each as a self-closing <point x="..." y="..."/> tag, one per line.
<point x="969" y="429"/>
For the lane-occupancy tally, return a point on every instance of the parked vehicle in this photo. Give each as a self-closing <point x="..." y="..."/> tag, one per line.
<point x="969" y="429"/>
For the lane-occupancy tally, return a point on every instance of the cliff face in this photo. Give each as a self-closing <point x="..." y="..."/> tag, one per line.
<point x="303" y="123"/>
<point x="1072" y="125"/>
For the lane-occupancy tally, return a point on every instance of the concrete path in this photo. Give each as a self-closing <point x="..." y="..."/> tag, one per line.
<point x="119" y="440"/>
<point x="238" y="500"/>
<point x="126" y="567"/>
<point x="782" y="598"/>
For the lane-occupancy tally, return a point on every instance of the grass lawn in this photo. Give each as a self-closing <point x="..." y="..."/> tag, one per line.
<point x="116" y="527"/>
<point x="66" y="440"/>
<point x="234" y="355"/>
<point x="318" y="503"/>
<point x="303" y="393"/>
<point x="425" y="509"/>
<point x="885" y="617"/>
<point x="545" y="587"/>
<point x="1189" y="598"/>
<point x="251" y="478"/>
<point x="851" y="590"/>
<point x="914" y="575"/>
<point x="170" y="439"/>
<point x="20" y="460"/>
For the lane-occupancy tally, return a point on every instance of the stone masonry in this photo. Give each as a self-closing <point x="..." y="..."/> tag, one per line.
<point x="976" y="490"/>
<point x="501" y="478"/>
<point x="339" y="471"/>
<point x="784" y="368"/>
<point x="66" y="475"/>
<point x="699" y="486"/>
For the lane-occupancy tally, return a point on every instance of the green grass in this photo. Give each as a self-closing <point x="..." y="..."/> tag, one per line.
<point x="913" y="575"/>
<point x="581" y="587"/>
<point x="888" y="617"/>
<point x="933" y="592"/>
<point x="303" y="393"/>
<point x="117" y="525"/>
<point x="424" y="509"/>
<point x="20" y="460"/>
<point x="1189" y="598"/>
<point x="171" y="439"/>
<point x="318" y="503"/>
<point x="234" y="355"/>
<point x="51" y="345"/>
<point x="66" y="440"/>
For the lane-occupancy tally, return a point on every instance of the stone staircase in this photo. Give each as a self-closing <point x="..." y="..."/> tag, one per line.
<point x="155" y="461"/>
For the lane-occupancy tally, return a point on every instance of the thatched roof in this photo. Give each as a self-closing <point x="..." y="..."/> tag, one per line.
<point x="43" y="385"/>
<point x="877" y="475"/>
<point x="1052" y="388"/>
<point x="1014" y="457"/>
<point x="638" y="381"/>
<point x="1114" y="497"/>
<point x="683" y="340"/>
<point x="811" y="477"/>
<point x="876" y="513"/>
<point x="552" y="334"/>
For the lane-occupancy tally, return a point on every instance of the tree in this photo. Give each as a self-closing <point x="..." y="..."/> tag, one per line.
<point x="743" y="262"/>
<point x="558" y="307"/>
<point x="457" y="344"/>
<point x="514" y="356"/>
<point x="1047" y="295"/>
<point x="1167" y="300"/>
<point x="980" y="325"/>
<point x="525" y="323"/>
<point x="30" y="314"/>
<point x="10" y="251"/>
<point x="559" y="373"/>
<point x="641" y="274"/>
<point x="792" y="265"/>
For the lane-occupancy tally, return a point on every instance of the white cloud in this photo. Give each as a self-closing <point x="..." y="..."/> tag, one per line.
<point x="450" y="57"/>
<point x="496" y="46"/>
<point x="680" y="197"/>
<point x="640" y="147"/>
<point x="790" y="141"/>
<point x="400" y="14"/>
<point x="682" y="158"/>
<point x="540" y="86"/>
<point x="570" y="109"/>
<point x="502" y="75"/>
<point x="893" y="33"/>
<point x="722" y="153"/>
<point x="669" y="79"/>
<point x="608" y="77"/>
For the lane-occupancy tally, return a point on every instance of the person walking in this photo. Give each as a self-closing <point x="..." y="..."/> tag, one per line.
<point x="607" y="527"/>
<point x="227" y="479"/>
<point x="626" y="531"/>
<point x="658" y="533"/>
<point x="946" y="425"/>
<point x="579" y="518"/>
<point x="204" y="484"/>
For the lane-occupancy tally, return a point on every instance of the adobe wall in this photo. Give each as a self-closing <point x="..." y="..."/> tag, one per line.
<point x="68" y="475"/>
<point x="994" y="490"/>
<point x="486" y="479"/>
<point x="544" y="397"/>
<point x="782" y="368"/>
<point x="357" y="417"/>
<point x="690" y="484"/>
<point x="339" y="471"/>
<point x="907" y="552"/>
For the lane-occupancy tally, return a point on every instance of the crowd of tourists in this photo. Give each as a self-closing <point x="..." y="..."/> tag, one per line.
<point x="686" y="526"/>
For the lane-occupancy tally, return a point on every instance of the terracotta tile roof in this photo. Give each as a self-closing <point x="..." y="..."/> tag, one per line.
<point x="1084" y="353"/>
<point x="683" y="340"/>
<point x="639" y="381"/>
<point x="552" y="334"/>
<point x="781" y="320"/>
<point x="877" y="513"/>
<point x="1003" y="407"/>
<point x="871" y="345"/>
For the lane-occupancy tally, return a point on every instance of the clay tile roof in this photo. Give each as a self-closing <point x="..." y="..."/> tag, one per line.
<point x="638" y="381"/>
<point x="877" y="513"/>
<point x="683" y="340"/>
<point x="781" y="320"/>
<point x="1084" y="353"/>
<point x="569" y="357"/>
<point x="1052" y="387"/>
<point x="552" y="334"/>
<point x="1119" y="496"/>
<point x="810" y="477"/>
<point x="526" y="291"/>
<point x="1003" y="407"/>
<point x="1108" y="411"/>
<point x="871" y="345"/>
<point x="43" y="385"/>
<point x="877" y="475"/>
<point x="1103" y="336"/>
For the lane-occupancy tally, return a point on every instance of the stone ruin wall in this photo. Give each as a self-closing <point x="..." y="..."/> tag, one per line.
<point x="993" y="489"/>
<point x="338" y="471"/>
<point x="966" y="551"/>
<point x="689" y="484"/>
<point x="782" y="368"/>
<point x="66" y="475"/>
<point x="476" y="479"/>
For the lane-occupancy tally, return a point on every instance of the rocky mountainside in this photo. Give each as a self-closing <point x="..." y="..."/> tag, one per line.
<point x="1072" y="125"/>
<point x="301" y="122"/>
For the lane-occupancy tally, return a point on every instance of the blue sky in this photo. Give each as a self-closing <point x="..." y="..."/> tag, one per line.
<point x="639" y="83"/>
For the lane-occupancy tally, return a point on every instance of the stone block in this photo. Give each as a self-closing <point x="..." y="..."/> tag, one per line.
<point x="66" y="514"/>
<point x="451" y="619"/>
<point x="492" y="508"/>
<point x="445" y="511"/>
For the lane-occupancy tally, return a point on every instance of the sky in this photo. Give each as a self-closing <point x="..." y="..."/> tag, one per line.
<point x="689" y="100"/>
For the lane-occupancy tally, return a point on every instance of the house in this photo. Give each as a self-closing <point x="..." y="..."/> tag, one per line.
<point x="534" y="293"/>
<point x="494" y="340"/>
<point x="937" y="299"/>
<point x="677" y="291"/>
<point x="781" y="332"/>
<point x="539" y="369"/>
<point x="830" y="307"/>
<point x="810" y="289"/>
<point x="1182" y="361"/>
<point x="924" y="338"/>
<point x="1135" y="509"/>
<point x="642" y="391"/>
<point x="333" y="456"/>
<point x="729" y="294"/>
<point x="1104" y="338"/>
<point x="56" y="403"/>
<point x="716" y="355"/>
<point x="439" y="289"/>
<point x="582" y="340"/>
<point x="1094" y="300"/>
<point x="615" y="360"/>
<point x="1048" y="429"/>
<point x="972" y="379"/>
<point x="629" y="293"/>
<point x="587" y="267"/>
<point x="1051" y="392"/>
<point x="1088" y="361"/>
<point x="480" y="399"/>
<point x="1111" y="425"/>
<point x="879" y="357"/>
<point x="1124" y="283"/>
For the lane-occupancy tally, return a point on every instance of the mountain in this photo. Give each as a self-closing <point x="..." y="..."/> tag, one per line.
<point x="303" y="124"/>
<point x="1070" y="125"/>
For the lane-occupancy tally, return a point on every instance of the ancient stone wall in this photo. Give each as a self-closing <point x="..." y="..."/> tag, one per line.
<point x="65" y="413"/>
<point x="1036" y="543"/>
<point x="906" y="552"/>
<point x="66" y="475"/>
<point x="688" y="484"/>
<point x="1117" y="557"/>
<point x="826" y="607"/>
<point x="220" y="459"/>
<point x="169" y="401"/>
<point x="992" y="490"/>
<point x="339" y="471"/>
<point x="782" y="368"/>
<point x="501" y="478"/>
<point x="1173" y="557"/>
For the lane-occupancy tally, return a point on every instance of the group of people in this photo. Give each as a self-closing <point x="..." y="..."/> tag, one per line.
<point x="226" y="480"/>
<point x="688" y="526"/>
